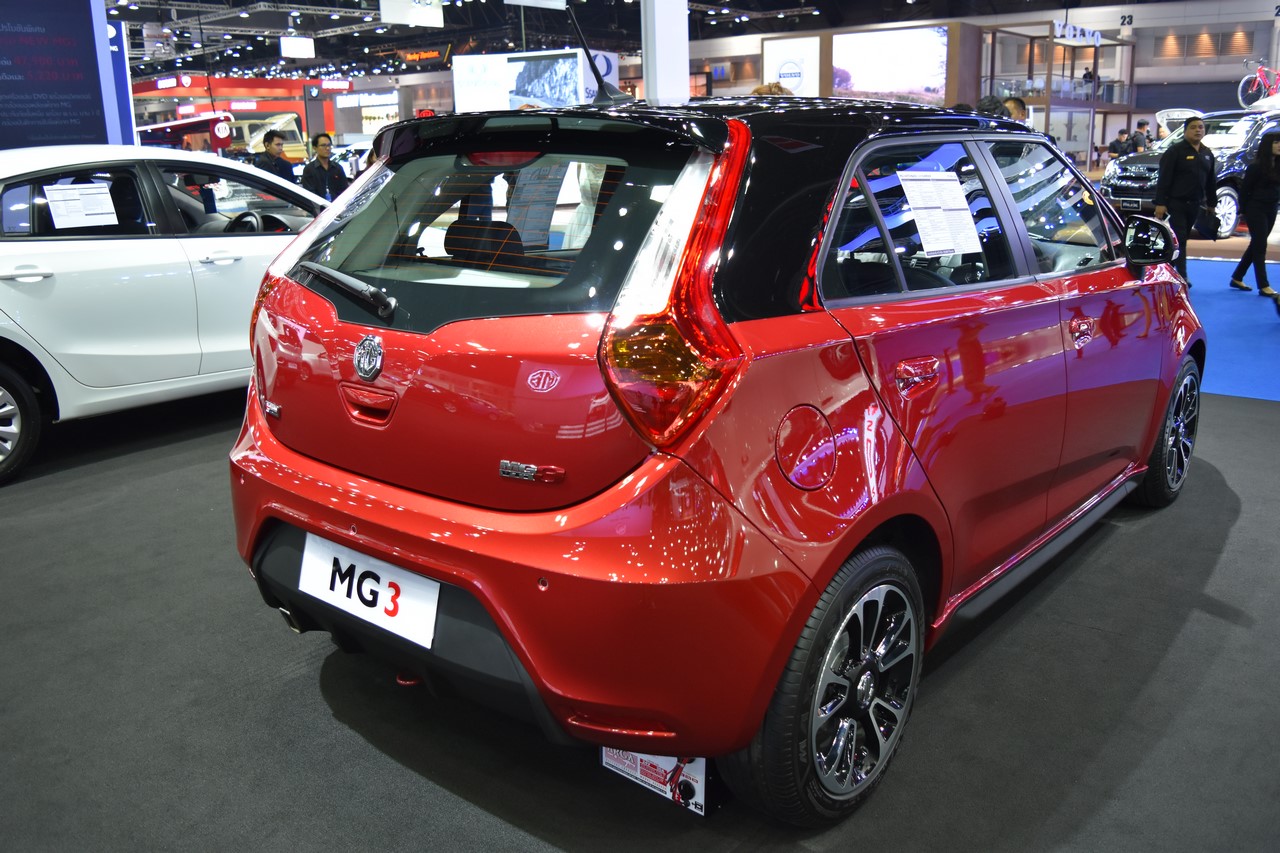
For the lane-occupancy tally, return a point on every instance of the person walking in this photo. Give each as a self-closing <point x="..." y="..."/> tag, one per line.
<point x="323" y="176"/>
<point x="1259" y="194"/>
<point x="1186" y="181"/>
<point x="272" y="158"/>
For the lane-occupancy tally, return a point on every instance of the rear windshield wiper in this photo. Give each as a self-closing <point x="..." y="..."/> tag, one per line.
<point x="383" y="304"/>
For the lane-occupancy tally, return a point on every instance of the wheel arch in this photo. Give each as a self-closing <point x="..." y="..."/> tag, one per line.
<point x="29" y="368"/>
<point x="1198" y="351"/>
<point x="919" y="542"/>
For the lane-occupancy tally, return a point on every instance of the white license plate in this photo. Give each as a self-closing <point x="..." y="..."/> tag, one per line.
<point x="371" y="589"/>
<point x="1130" y="204"/>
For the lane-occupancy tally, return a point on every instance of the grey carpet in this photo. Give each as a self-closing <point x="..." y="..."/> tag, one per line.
<point x="1125" y="699"/>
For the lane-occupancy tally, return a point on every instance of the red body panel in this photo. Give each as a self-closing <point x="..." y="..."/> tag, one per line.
<point x="810" y="359"/>
<point x="987" y="421"/>
<point x="659" y="572"/>
<point x="1114" y="334"/>
<point x="456" y="403"/>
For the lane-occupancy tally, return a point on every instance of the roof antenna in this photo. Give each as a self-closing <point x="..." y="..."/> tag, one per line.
<point x="606" y="92"/>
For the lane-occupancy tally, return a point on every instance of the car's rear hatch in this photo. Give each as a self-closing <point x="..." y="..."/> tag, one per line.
<point x="440" y="332"/>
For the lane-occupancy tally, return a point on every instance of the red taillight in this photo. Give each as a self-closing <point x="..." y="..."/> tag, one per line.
<point x="269" y="283"/>
<point x="666" y="351"/>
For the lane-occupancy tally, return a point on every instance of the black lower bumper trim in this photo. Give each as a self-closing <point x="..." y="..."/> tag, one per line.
<point x="468" y="651"/>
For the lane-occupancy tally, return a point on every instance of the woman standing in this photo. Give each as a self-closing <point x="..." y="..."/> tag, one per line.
<point x="1259" y="194"/>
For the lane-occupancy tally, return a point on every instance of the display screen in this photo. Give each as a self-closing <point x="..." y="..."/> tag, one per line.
<point x="871" y="65"/>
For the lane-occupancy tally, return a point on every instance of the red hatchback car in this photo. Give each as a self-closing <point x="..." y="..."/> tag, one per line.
<point x="687" y="431"/>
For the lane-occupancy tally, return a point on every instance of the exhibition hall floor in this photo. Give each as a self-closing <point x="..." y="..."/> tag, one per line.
<point x="1125" y="699"/>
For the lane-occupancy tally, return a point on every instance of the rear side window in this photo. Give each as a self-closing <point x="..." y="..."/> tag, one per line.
<point x="942" y="230"/>
<point x="1068" y="232"/>
<point x="82" y="203"/>
<point x="474" y="232"/>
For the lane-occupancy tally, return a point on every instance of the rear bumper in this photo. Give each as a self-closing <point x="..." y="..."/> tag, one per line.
<point x="651" y="617"/>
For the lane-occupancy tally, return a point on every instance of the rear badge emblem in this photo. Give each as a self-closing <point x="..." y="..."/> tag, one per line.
<point x="543" y="381"/>
<point x="368" y="359"/>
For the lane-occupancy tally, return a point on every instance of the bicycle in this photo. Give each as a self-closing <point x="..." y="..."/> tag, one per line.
<point x="1262" y="82"/>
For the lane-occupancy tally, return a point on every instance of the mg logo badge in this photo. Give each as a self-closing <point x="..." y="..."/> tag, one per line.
<point x="543" y="381"/>
<point x="369" y="358"/>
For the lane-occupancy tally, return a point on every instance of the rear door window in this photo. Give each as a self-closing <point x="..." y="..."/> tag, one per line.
<point x="919" y="215"/>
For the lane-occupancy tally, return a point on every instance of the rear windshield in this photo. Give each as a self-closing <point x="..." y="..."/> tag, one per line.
<point x="499" y="224"/>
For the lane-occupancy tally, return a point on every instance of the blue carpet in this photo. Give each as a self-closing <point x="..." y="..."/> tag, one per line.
<point x="1243" y="332"/>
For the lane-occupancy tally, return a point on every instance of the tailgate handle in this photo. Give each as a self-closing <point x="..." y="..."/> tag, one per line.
<point x="915" y="375"/>
<point x="368" y="405"/>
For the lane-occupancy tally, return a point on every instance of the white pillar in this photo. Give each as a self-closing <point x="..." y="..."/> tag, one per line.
<point x="664" y="26"/>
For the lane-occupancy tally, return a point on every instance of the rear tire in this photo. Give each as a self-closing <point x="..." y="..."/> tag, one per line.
<point x="840" y="709"/>
<point x="20" y="422"/>
<point x="1170" y="459"/>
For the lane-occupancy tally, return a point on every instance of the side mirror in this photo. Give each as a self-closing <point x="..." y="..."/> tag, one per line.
<point x="1148" y="241"/>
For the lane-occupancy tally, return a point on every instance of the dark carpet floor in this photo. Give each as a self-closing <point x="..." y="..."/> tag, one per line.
<point x="1126" y="699"/>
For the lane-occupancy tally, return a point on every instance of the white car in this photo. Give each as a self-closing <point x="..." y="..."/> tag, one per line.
<point x="127" y="277"/>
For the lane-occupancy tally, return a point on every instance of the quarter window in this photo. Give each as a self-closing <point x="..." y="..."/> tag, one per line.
<point x="1059" y="210"/>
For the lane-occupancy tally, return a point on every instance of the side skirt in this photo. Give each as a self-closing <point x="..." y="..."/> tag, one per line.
<point x="997" y="583"/>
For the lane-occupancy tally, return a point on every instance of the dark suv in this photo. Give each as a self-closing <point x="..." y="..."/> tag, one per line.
<point x="1129" y="183"/>
<point x="685" y="431"/>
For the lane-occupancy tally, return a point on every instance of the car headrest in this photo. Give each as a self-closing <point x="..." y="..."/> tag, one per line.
<point x="484" y="242"/>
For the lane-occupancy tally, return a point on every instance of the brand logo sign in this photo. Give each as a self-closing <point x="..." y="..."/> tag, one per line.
<point x="222" y="130"/>
<point x="543" y="381"/>
<point x="368" y="360"/>
<point x="791" y="75"/>
<point x="1070" y="32"/>
<point x="604" y="63"/>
